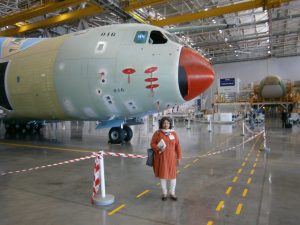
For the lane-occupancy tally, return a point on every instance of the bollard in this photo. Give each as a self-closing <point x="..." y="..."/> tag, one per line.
<point x="189" y="124"/>
<point x="153" y="120"/>
<point x="243" y="129"/>
<point x="265" y="148"/>
<point x="209" y="126"/>
<point x="173" y="121"/>
<point x="103" y="198"/>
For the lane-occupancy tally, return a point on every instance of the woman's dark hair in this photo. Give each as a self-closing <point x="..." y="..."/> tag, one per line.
<point x="162" y="121"/>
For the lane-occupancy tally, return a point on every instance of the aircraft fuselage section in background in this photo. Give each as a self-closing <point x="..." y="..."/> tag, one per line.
<point x="97" y="74"/>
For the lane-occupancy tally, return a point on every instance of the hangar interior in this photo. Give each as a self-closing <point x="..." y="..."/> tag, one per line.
<point x="240" y="157"/>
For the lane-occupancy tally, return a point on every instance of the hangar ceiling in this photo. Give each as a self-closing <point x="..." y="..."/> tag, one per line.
<point x="223" y="30"/>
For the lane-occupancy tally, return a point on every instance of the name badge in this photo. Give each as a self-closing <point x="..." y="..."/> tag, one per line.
<point x="171" y="136"/>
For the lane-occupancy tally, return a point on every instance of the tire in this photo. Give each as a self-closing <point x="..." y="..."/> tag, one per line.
<point x="116" y="135"/>
<point x="127" y="133"/>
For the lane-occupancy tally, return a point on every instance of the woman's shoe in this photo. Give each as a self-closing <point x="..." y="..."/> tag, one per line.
<point x="164" y="197"/>
<point x="173" y="197"/>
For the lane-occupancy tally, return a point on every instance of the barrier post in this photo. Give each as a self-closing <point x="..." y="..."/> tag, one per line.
<point x="103" y="198"/>
<point x="265" y="148"/>
<point x="153" y="120"/>
<point x="243" y="129"/>
<point x="189" y="123"/>
<point x="209" y="126"/>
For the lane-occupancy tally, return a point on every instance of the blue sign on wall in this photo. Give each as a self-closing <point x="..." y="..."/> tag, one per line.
<point x="227" y="82"/>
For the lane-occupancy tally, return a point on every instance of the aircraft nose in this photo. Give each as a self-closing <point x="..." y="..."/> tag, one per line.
<point x="195" y="74"/>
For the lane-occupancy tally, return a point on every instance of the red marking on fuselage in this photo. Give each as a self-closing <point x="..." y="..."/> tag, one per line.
<point x="151" y="69"/>
<point x="151" y="79"/>
<point x="128" y="72"/>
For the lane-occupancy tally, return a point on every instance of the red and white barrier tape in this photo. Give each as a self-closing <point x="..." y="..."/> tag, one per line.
<point x="49" y="165"/>
<point x="124" y="155"/>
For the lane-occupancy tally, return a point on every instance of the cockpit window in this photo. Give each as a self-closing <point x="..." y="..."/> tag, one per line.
<point x="157" y="37"/>
<point x="141" y="37"/>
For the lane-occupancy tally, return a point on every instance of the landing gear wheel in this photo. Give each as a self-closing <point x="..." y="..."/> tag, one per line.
<point x="116" y="135"/>
<point x="127" y="133"/>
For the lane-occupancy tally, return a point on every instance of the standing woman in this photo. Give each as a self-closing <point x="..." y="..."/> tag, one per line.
<point x="167" y="155"/>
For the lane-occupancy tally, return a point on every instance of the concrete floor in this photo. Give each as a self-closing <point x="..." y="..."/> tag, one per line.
<point x="239" y="186"/>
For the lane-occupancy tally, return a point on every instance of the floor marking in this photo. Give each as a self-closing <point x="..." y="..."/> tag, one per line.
<point x="240" y="170"/>
<point x="178" y="171"/>
<point x="186" y="166"/>
<point x="249" y="154"/>
<point x="256" y="159"/>
<point x="244" y="163"/>
<point x="239" y="209"/>
<point x="143" y="193"/>
<point x="245" y="192"/>
<point x="210" y="222"/>
<point x="246" y="159"/>
<point x="249" y="180"/>
<point x="254" y="165"/>
<point x="47" y="147"/>
<point x="195" y="160"/>
<point x="228" y="190"/>
<point x="252" y="172"/>
<point x="116" y="210"/>
<point x="220" y="206"/>
<point x="158" y="184"/>
<point x="234" y="179"/>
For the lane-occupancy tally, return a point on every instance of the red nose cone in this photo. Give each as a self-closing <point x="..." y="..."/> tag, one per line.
<point x="195" y="74"/>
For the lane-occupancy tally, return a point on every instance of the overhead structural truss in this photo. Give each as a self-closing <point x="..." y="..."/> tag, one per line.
<point x="218" y="11"/>
<point x="53" y="21"/>
<point x="37" y="11"/>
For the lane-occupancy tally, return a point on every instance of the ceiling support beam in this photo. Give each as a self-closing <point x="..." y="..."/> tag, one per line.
<point x="135" y="4"/>
<point x="218" y="11"/>
<point x="53" y="21"/>
<point x="37" y="11"/>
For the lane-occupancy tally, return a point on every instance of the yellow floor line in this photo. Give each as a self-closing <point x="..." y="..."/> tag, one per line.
<point x="158" y="184"/>
<point x="254" y="165"/>
<point x="143" y="193"/>
<point x="245" y="192"/>
<point x="47" y="147"/>
<point x="178" y="171"/>
<point x="228" y="190"/>
<point x="249" y="180"/>
<point x="210" y="222"/>
<point x="244" y="163"/>
<point x="256" y="159"/>
<point x="195" y="160"/>
<point x="220" y="206"/>
<point x="239" y="171"/>
<point x="234" y="179"/>
<point x="116" y="210"/>
<point x="239" y="209"/>
<point x="252" y="172"/>
<point x="186" y="166"/>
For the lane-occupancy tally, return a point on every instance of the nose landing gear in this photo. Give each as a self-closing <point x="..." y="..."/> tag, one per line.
<point x="117" y="135"/>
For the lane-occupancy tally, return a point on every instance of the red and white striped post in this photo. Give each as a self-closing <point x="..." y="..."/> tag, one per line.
<point x="99" y="180"/>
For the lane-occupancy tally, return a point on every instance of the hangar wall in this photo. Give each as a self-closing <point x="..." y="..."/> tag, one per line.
<point x="250" y="71"/>
<point x="286" y="68"/>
